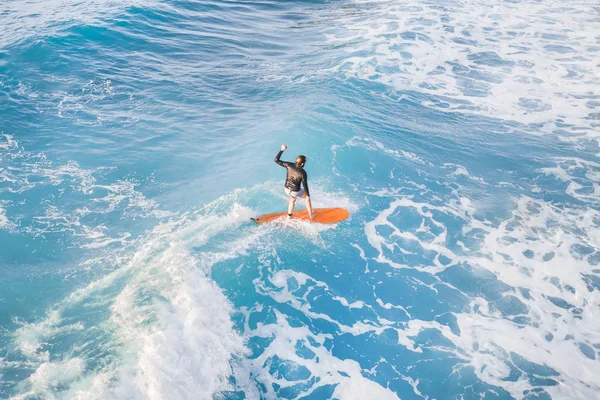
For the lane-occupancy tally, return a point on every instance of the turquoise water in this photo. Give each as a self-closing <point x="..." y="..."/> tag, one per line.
<point x="137" y="139"/>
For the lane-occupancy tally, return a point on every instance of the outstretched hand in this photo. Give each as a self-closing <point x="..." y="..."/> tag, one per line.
<point x="283" y="147"/>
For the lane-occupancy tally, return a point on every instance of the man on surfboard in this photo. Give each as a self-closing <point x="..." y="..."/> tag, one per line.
<point x="296" y="175"/>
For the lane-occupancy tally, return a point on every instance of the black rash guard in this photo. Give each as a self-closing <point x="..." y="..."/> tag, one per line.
<point x="295" y="175"/>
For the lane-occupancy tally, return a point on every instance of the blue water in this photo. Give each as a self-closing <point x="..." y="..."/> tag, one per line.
<point x="137" y="139"/>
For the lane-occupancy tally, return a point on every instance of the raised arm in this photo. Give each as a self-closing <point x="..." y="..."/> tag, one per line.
<point x="277" y="160"/>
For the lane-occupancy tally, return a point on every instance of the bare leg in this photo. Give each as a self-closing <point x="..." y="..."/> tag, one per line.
<point x="309" y="207"/>
<point x="291" y="205"/>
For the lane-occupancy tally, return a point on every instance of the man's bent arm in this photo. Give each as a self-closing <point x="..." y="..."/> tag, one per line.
<point x="305" y="183"/>
<point x="308" y="203"/>
<point x="278" y="161"/>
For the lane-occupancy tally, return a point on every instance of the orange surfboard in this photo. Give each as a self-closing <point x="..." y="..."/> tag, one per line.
<point x="324" y="216"/>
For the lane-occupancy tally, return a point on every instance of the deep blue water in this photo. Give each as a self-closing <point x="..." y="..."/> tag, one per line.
<point x="137" y="139"/>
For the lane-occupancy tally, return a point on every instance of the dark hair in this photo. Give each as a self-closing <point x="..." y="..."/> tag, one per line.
<point x="300" y="161"/>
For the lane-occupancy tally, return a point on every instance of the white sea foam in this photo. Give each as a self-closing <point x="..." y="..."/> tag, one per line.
<point x="582" y="176"/>
<point x="283" y="279"/>
<point x="98" y="239"/>
<point x="7" y="142"/>
<point x="541" y="321"/>
<point x="56" y="175"/>
<point x="531" y="62"/>
<point x="459" y="170"/>
<point x="120" y="192"/>
<point x="296" y="289"/>
<point x="356" y="304"/>
<point x="171" y="323"/>
<point x="374" y="145"/>
<point x="29" y="338"/>
<point x="49" y="375"/>
<point x="94" y="104"/>
<point x="166" y="321"/>
<point x="346" y="375"/>
<point x="428" y="239"/>
<point x="4" y="222"/>
<point x="28" y="170"/>
<point x="547" y="256"/>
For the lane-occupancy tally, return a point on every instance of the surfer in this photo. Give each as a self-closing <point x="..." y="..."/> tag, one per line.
<point x="296" y="175"/>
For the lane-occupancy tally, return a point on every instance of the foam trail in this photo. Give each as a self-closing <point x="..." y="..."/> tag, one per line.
<point x="166" y="320"/>
<point x="170" y="323"/>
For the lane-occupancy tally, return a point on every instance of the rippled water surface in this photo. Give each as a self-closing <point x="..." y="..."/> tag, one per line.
<point x="137" y="140"/>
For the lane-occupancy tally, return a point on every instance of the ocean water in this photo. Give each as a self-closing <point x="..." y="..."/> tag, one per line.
<point x="137" y="139"/>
